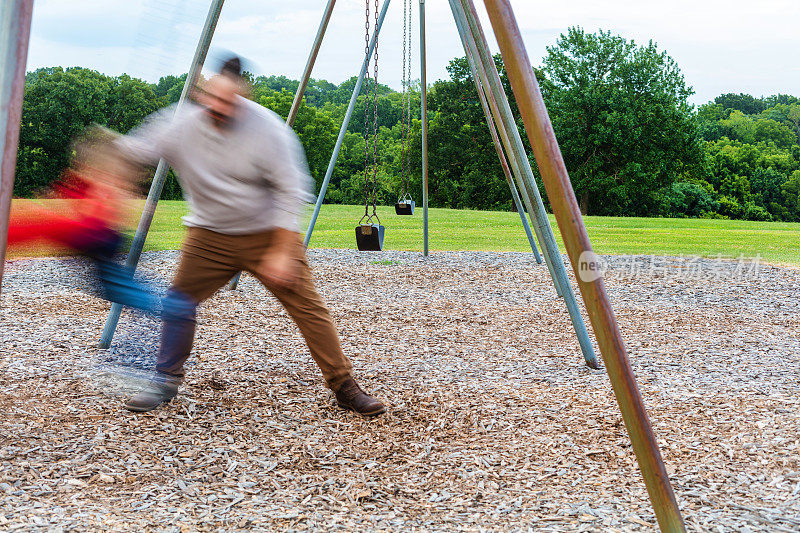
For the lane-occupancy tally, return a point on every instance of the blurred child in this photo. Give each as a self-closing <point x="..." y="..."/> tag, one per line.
<point x="88" y="215"/>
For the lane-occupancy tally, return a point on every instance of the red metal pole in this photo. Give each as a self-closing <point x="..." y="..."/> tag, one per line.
<point x="568" y="215"/>
<point x="15" y="23"/>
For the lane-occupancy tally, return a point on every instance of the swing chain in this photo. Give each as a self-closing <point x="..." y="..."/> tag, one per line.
<point x="408" y="99"/>
<point x="375" y="121"/>
<point x="371" y="99"/>
<point x="405" y="157"/>
<point x="366" y="115"/>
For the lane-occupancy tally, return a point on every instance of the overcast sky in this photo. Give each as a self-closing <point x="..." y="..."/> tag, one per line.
<point x="720" y="45"/>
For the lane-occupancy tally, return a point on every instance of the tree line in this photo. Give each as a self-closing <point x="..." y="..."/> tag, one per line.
<point x="631" y="141"/>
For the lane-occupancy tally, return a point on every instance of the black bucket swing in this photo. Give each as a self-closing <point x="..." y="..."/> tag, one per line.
<point x="405" y="206"/>
<point x="369" y="231"/>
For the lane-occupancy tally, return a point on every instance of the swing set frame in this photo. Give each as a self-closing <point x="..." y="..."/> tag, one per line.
<point x="15" y="19"/>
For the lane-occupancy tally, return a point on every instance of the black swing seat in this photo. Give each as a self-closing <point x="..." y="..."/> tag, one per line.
<point x="369" y="237"/>
<point x="405" y="207"/>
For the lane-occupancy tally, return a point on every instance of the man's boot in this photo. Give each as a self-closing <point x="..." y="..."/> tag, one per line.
<point x="162" y="388"/>
<point x="350" y="396"/>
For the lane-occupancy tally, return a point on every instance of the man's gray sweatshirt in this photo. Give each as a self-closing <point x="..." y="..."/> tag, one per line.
<point x="248" y="178"/>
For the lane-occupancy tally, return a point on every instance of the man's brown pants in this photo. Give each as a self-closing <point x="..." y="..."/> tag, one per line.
<point x="209" y="260"/>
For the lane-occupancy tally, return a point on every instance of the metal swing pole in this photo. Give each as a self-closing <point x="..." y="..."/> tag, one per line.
<point x="462" y="11"/>
<point x="568" y="215"/>
<point x="312" y="58"/>
<point x="424" y="119"/>
<point x="470" y="49"/>
<point x="161" y="170"/>
<point x="15" y="23"/>
<point x="301" y="89"/>
<point x="357" y="89"/>
<point x="501" y="154"/>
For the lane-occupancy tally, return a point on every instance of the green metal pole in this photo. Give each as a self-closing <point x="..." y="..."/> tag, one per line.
<point x="424" y="118"/>
<point x="517" y="149"/>
<point x="568" y="215"/>
<point x="137" y="245"/>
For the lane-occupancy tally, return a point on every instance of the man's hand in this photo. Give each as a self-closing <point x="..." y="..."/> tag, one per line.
<point x="279" y="269"/>
<point x="280" y="265"/>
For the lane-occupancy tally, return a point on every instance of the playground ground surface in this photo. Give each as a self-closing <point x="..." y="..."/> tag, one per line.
<point x="501" y="231"/>
<point x="494" y="423"/>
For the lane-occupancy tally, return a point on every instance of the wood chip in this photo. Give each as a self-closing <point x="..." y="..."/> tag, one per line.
<point x="493" y="423"/>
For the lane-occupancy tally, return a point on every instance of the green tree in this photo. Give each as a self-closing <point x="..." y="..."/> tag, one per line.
<point x="463" y="163"/>
<point x="787" y="114"/>
<point x="623" y="120"/>
<point x="785" y="99"/>
<point x="709" y="117"/>
<point x="129" y="101"/>
<point x="752" y="130"/>
<point x="765" y="184"/>
<point x="58" y="104"/>
<point x="684" y="199"/>
<point x="791" y="193"/>
<point x="745" y="103"/>
<point x="169" y="88"/>
<point x="316" y="130"/>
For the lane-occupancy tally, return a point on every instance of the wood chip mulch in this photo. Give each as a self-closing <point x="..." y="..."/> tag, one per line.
<point x="494" y="423"/>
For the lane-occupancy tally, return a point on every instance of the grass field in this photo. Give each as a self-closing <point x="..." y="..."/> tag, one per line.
<point x="776" y="242"/>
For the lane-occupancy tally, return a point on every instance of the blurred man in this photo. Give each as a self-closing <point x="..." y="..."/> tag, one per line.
<point x="244" y="176"/>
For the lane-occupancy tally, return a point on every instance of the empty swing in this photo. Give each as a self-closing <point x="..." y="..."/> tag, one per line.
<point x="405" y="204"/>
<point x="370" y="231"/>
